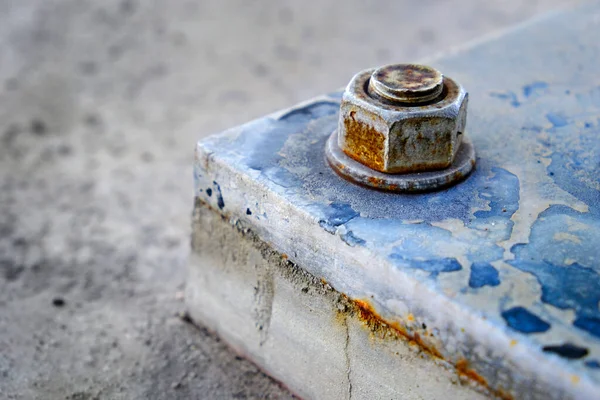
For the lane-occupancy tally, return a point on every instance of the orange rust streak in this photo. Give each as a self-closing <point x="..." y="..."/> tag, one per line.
<point x="375" y="181"/>
<point x="462" y="366"/>
<point x="503" y="395"/>
<point x="370" y="317"/>
<point x="367" y="314"/>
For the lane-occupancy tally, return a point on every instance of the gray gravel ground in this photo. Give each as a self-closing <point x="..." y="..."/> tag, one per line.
<point x="100" y="105"/>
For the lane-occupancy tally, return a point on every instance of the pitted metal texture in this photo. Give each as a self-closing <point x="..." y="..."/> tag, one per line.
<point x="406" y="83"/>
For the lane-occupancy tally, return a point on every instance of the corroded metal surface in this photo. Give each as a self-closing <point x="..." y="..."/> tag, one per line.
<point x="356" y="172"/>
<point x="499" y="274"/>
<point x="406" y="83"/>
<point x="402" y="137"/>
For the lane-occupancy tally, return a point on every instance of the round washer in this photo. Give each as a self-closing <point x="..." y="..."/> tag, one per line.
<point x="352" y="170"/>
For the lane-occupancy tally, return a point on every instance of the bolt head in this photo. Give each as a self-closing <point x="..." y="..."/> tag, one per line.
<point x="391" y="136"/>
<point x="406" y="83"/>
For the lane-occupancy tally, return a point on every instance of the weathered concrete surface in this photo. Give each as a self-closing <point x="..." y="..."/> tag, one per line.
<point x="298" y="328"/>
<point x="100" y="105"/>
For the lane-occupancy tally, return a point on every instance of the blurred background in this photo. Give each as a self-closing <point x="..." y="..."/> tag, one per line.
<point x="101" y="103"/>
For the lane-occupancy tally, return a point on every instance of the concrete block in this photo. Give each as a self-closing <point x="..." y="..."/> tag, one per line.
<point x="489" y="288"/>
<point x="298" y="328"/>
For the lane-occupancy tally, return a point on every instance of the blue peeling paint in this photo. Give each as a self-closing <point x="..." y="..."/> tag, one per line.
<point x="434" y="267"/>
<point x="533" y="128"/>
<point x="534" y="88"/>
<point x="509" y="96"/>
<point x="485" y="253"/>
<point x="594" y="364"/>
<point x="592" y="325"/>
<point x="282" y="177"/>
<point x="575" y="163"/>
<point x="352" y="240"/>
<point x="501" y="191"/>
<point x="220" y="201"/>
<point x="556" y="120"/>
<point x="522" y="320"/>
<point x="335" y="215"/>
<point x="561" y="255"/>
<point x="565" y="287"/>
<point x="264" y="153"/>
<point x="483" y="274"/>
<point x="567" y="171"/>
<point x="567" y="350"/>
<point x="530" y="90"/>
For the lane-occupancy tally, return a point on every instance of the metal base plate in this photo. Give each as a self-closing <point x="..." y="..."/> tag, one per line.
<point x="356" y="172"/>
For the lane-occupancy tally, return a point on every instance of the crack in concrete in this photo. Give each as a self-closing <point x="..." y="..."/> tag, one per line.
<point x="264" y="292"/>
<point x="346" y="353"/>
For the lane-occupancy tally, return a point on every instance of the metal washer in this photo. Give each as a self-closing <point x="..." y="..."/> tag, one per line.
<point x="352" y="170"/>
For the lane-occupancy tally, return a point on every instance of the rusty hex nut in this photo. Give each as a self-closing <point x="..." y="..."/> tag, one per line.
<point x="402" y="118"/>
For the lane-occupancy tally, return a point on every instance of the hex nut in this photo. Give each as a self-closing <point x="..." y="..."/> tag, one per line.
<point x="395" y="131"/>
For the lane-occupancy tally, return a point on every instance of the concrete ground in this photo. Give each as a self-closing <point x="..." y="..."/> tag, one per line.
<point x="100" y="105"/>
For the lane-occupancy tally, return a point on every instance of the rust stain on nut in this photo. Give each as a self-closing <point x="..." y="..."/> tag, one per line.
<point x="364" y="143"/>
